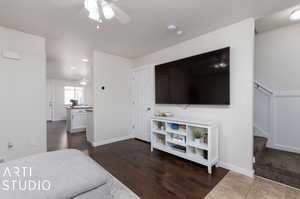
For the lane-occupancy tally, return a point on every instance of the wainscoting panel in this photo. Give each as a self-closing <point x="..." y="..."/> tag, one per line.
<point x="277" y="117"/>
<point x="287" y="122"/>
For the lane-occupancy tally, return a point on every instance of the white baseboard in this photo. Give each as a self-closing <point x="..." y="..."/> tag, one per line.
<point x="236" y="169"/>
<point x="109" y="141"/>
<point x="285" y="148"/>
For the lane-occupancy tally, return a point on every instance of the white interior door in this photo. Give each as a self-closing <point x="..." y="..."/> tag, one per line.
<point x="143" y="101"/>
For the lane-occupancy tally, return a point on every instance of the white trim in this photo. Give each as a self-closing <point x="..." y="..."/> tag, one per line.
<point x="286" y="148"/>
<point x="231" y="167"/>
<point x="288" y="93"/>
<point x="109" y="141"/>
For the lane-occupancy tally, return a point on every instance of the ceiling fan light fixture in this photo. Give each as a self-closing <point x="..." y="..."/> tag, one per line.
<point x="94" y="16"/>
<point x="91" y="5"/>
<point x="295" y="15"/>
<point x="108" y="12"/>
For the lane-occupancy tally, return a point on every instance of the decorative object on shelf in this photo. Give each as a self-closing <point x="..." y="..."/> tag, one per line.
<point x="182" y="127"/>
<point x="179" y="138"/>
<point x="198" y="137"/>
<point x="193" y="150"/>
<point x="161" y="126"/>
<point x="160" y="139"/>
<point x="175" y="126"/>
<point x="200" y="152"/>
<point x="165" y="114"/>
<point x="179" y="148"/>
<point x="205" y="138"/>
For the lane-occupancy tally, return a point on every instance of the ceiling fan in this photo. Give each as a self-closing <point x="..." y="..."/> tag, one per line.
<point x="98" y="10"/>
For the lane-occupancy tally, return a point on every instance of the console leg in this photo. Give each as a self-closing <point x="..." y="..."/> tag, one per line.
<point x="209" y="170"/>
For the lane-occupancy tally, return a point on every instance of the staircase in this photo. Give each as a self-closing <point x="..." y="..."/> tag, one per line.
<point x="259" y="145"/>
<point x="280" y="166"/>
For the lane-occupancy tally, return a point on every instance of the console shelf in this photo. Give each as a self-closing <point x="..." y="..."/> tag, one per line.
<point x="175" y="136"/>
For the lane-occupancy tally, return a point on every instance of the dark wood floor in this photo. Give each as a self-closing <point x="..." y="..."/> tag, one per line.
<point x="150" y="175"/>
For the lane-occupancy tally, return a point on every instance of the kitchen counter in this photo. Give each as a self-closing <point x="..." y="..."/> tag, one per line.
<point x="77" y="118"/>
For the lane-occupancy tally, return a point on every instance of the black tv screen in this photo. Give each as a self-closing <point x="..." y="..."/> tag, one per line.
<point x="201" y="79"/>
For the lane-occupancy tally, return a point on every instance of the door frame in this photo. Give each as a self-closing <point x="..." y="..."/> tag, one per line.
<point x="50" y="99"/>
<point x="132" y="79"/>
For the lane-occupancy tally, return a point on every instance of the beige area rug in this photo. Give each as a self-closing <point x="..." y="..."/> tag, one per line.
<point x="237" y="186"/>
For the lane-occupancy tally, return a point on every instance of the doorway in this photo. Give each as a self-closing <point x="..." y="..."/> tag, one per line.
<point x="143" y="101"/>
<point x="277" y="98"/>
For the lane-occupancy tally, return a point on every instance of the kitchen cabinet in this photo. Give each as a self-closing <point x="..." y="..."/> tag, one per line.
<point x="77" y="120"/>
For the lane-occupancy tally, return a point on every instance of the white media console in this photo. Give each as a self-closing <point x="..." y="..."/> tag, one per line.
<point x="179" y="137"/>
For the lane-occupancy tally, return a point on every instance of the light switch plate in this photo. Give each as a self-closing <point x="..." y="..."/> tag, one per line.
<point x="8" y="54"/>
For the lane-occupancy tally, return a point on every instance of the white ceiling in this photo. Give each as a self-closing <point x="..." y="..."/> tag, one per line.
<point x="276" y="20"/>
<point x="70" y="36"/>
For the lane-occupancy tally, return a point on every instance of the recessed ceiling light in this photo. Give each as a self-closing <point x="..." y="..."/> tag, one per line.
<point x="83" y="82"/>
<point x="295" y="15"/>
<point x="98" y="27"/>
<point x="73" y="68"/>
<point x="179" y="32"/>
<point x="85" y="60"/>
<point x="172" y="27"/>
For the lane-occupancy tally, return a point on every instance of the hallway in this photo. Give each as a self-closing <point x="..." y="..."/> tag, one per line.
<point x="58" y="138"/>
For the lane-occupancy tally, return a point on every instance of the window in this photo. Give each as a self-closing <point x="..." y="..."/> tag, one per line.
<point x="75" y="93"/>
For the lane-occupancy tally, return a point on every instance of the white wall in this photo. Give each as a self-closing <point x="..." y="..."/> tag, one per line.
<point x="23" y="95"/>
<point x="112" y="107"/>
<point x="57" y="88"/>
<point x="236" y="140"/>
<point x="277" y="58"/>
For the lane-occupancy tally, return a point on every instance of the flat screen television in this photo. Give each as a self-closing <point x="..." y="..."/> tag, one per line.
<point x="201" y="79"/>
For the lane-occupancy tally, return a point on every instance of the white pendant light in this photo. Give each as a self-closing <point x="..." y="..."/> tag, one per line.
<point x="295" y="15"/>
<point x="107" y="10"/>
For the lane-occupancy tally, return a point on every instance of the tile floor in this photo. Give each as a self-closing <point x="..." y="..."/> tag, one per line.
<point x="237" y="186"/>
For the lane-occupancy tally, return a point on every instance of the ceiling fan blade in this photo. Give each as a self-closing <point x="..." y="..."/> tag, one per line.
<point x="120" y="14"/>
<point x="65" y="3"/>
<point x="83" y="13"/>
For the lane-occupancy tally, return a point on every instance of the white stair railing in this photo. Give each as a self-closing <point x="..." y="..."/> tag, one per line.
<point x="263" y="88"/>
